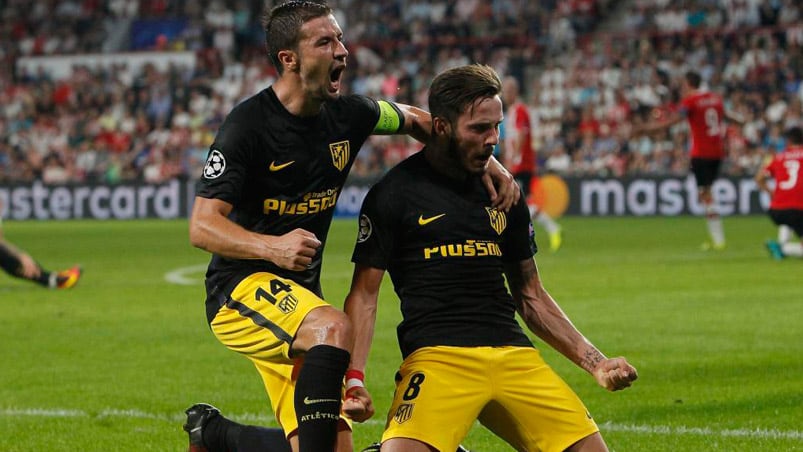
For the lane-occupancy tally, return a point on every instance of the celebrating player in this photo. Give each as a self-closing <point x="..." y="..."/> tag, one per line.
<point x="786" y="205"/>
<point x="431" y="225"/>
<point x="264" y="206"/>
<point x="705" y="113"/>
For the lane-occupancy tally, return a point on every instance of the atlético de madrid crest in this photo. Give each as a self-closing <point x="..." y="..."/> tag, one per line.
<point x="340" y="154"/>
<point x="498" y="219"/>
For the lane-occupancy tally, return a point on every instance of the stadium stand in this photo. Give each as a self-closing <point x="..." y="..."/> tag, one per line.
<point x="589" y="69"/>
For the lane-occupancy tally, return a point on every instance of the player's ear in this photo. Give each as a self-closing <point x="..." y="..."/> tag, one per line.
<point x="288" y="60"/>
<point x="441" y="126"/>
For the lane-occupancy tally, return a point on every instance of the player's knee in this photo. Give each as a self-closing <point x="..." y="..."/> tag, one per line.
<point x="328" y="326"/>
<point x="339" y="329"/>
<point x="591" y="443"/>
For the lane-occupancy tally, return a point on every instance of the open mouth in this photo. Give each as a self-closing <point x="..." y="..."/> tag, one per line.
<point x="334" y="77"/>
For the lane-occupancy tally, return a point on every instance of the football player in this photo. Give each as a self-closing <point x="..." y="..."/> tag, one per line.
<point x="264" y="205"/>
<point x="705" y="114"/>
<point x="431" y="226"/>
<point x="786" y="205"/>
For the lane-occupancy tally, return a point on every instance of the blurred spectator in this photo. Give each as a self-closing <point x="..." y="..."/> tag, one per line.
<point x="583" y="93"/>
<point x="558" y="161"/>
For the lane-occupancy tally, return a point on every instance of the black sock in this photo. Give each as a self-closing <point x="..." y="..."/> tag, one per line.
<point x="253" y="438"/>
<point x="221" y="434"/>
<point x="224" y="435"/>
<point x="43" y="279"/>
<point x="8" y="260"/>
<point x="12" y="265"/>
<point x="317" y="397"/>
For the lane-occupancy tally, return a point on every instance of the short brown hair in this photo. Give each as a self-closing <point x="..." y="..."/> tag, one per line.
<point x="283" y="23"/>
<point x="455" y="90"/>
<point x="693" y="79"/>
<point x="795" y="135"/>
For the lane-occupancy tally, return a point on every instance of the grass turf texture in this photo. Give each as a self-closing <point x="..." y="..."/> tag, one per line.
<point x="111" y="364"/>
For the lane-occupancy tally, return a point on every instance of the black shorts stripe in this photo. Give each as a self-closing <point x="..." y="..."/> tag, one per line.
<point x="258" y="319"/>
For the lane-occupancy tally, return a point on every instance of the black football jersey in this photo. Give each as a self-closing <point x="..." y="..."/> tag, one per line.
<point x="444" y="248"/>
<point x="281" y="172"/>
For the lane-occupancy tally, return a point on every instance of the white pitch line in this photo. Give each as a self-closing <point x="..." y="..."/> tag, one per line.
<point x="682" y="430"/>
<point x="187" y="276"/>
<point x="263" y="419"/>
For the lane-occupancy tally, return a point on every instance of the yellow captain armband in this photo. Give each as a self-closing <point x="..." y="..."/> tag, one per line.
<point x="391" y="119"/>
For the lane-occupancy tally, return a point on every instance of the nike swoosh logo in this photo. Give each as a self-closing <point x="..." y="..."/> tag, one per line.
<point x="422" y="221"/>
<point x="274" y="167"/>
<point x="308" y="401"/>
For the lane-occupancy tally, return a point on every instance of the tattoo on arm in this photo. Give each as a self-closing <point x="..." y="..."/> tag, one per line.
<point x="590" y="359"/>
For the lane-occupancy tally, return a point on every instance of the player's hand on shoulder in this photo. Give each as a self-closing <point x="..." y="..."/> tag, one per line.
<point x="502" y="186"/>
<point x="614" y="374"/>
<point x="358" y="405"/>
<point x="294" y="250"/>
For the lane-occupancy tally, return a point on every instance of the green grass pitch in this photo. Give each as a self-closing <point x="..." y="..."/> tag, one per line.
<point x="111" y="364"/>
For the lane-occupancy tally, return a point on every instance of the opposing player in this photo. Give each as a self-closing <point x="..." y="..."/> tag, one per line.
<point x="20" y="264"/>
<point x="430" y="224"/>
<point x="519" y="157"/>
<point x="264" y="206"/>
<point x="705" y="114"/>
<point x="786" y="205"/>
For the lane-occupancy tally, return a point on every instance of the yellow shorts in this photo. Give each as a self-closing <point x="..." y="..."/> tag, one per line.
<point x="511" y="390"/>
<point x="260" y="320"/>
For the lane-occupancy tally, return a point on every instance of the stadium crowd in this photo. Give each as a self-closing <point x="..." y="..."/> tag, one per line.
<point x="586" y="86"/>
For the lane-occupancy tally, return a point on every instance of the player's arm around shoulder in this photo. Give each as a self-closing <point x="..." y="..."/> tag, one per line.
<point x="416" y="122"/>
<point x="212" y="231"/>
<point x="360" y="307"/>
<point x="547" y="320"/>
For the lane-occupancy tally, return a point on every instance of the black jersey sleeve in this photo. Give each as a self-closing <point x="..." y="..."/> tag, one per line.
<point x="377" y="235"/>
<point x="519" y="243"/>
<point x="227" y="163"/>
<point x="376" y="117"/>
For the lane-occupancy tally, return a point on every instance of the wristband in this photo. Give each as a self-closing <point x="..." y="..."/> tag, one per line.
<point x="354" y="379"/>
